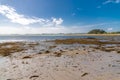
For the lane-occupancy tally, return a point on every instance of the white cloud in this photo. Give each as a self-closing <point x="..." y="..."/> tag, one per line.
<point x="110" y="29"/>
<point x="46" y="29"/>
<point x="111" y="1"/>
<point x="14" y="17"/>
<point x="108" y="2"/>
<point x="39" y="30"/>
<point x="57" y="22"/>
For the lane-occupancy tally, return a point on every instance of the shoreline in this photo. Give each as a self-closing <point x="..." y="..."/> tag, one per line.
<point x="69" y="34"/>
<point x="92" y="34"/>
<point x="50" y="60"/>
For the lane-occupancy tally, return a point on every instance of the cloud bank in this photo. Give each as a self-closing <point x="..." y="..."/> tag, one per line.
<point x="40" y="30"/>
<point x="14" y="17"/>
<point x="52" y="25"/>
<point x="110" y="29"/>
<point x="48" y="29"/>
<point x="26" y="26"/>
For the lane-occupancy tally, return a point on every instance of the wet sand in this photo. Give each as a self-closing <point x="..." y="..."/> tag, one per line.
<point x="61" y="60"/>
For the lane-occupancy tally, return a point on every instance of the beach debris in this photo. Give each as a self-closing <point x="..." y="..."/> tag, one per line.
<point x="107" y="49"/>
<point x="15" y="66"/>
<point x="9" y="79"/>
<point x="24" y="62"/>
<point x="75" y="66"/>
<point x="47" y="51"/>
<point x="113" y="65"/>
<point x="117" y="60"/>
<point x="96" y="47"/>
<point x="118" y="51"/>
<point x="77" y="53"/>
<point x="32" y="44"/>
<point x="84" y="74"/>
<point x="57" y="54"/>
<point x="102" y="68"/>
<point x="109" y="65"/>
<point x="62" y="51"/>
<point x="39" y="53"/>
<point x="93" y="50"/>
<point x="51" y="47"/>
<point x="26" y="57"/>
<point x="57" y="65"/>
<point x="34" y="76"/>
<point x="118" y="73"/>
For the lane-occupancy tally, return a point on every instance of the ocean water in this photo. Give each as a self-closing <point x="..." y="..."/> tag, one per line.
<point x="42" y="38"/>
<point x="35" y="38"/>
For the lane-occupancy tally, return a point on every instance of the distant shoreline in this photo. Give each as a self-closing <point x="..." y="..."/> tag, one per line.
<point x="93" y="34"/>
<point x="70" y="34"/>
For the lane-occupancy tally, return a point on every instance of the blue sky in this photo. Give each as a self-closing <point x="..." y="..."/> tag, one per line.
<point x="58" y="16"/>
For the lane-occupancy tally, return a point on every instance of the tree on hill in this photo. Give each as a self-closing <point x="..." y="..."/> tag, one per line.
<point x="97" y="31"/>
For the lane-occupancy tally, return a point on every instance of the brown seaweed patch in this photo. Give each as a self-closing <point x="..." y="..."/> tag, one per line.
<point x="10" y="47"/>
<point x="84" y="41"/>
<point x="106" y="49"/>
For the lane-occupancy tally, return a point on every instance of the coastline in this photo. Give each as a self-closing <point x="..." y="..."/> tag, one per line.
<point x="92" y="34"/>
<point x="48" y="60"/>
<point x="63" y="34"/>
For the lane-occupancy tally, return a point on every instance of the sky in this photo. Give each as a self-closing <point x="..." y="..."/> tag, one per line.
<point x="58" y="16"/>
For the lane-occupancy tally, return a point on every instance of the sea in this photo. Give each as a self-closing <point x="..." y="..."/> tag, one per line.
<point x="44" y="38"/>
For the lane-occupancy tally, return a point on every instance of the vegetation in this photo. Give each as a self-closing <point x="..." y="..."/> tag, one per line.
<point x="10" y="47"/>
<point x="101" y="31"/>
<point x="97" y="31"/>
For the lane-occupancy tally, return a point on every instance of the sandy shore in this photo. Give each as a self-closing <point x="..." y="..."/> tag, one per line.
<point x="53" y="60"/>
